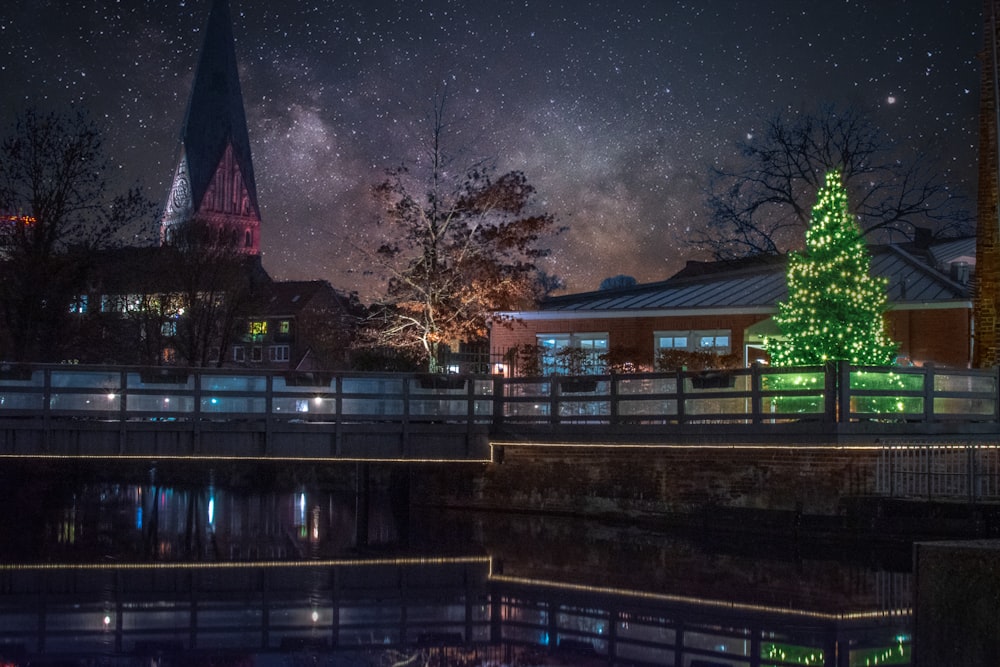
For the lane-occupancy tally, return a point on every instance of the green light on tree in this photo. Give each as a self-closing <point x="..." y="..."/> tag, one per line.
<point x="834" y="307"/>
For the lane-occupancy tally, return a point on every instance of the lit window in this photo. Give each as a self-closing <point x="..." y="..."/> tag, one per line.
<point x="168" y="328"/>
<point x="573" y="354"/>
<point x="168" y="355"/>
<point x="718" y="341"/>
<point x="284" y="326"/>
<point x="257" y="329"/>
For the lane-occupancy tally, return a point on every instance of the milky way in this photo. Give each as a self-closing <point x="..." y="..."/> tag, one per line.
<point x="615" y="110"/>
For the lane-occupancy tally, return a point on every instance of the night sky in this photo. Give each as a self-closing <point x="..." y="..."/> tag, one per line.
<point x="614" y="109"/>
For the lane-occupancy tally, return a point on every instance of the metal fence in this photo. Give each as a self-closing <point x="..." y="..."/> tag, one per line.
<point x="939" y="472"/>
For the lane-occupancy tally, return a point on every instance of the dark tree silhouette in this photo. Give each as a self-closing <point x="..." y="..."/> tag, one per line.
<point x="762" y="206"/>
<point x="56" y="210"/>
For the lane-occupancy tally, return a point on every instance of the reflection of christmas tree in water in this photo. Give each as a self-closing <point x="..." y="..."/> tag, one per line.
<point x="834" y="307"/>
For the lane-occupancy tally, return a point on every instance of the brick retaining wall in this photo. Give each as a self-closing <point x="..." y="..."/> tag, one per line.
<point x="807" y="480"/>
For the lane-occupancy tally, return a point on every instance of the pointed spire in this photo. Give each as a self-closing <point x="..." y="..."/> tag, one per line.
<point x="214" y="180"/>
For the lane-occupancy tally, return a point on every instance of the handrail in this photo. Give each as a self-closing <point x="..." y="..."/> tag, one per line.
<point x="755" y="395"/>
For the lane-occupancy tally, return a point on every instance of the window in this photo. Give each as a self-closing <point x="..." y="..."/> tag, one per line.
<point x="257" y="329"/>
<point x="284" y="326"/>
<point x="572" y="354"/>
<point x="711" y="340"/>
<point x="168" y="328"/>
<point x="79" y="304"/>
<point x="168" y="355"/>
<point x="277" y="353"/>
<point x="239" y="353"/>
<point x="256" y="353"/>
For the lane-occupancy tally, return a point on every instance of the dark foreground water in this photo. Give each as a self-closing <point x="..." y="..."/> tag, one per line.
<point x="304" y="573"/>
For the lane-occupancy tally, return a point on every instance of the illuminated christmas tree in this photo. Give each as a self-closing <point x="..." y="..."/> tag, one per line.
<point x="834" y="307"/>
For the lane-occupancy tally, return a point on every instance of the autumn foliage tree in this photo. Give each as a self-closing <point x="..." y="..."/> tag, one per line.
<point x="458" y="249"/>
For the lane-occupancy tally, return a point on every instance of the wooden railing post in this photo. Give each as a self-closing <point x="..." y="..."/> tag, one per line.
<point x="681" y="417"/>
<point x="122" y="410"/>
<point x="756" y="400"/>
<point x="843" y="383"/>
<point x="613" y="397"/>
<point x="928" y="375"/>
<point x="499" y="403"/>
<point x="555" y="393"/>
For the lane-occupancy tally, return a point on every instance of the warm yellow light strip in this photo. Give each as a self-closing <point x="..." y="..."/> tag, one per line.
<point x="701" y="602"/>
<point x="336" y="562"/>
<point x="175" y="457"/>
<point x="640" y="445"/>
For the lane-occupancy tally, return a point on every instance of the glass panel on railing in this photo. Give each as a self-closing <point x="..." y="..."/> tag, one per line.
<point x="373" y="385"/>
<point x="86" y="379"/>
<point x="15" y="375"/>
<point x="639" y="408"/>
<point x="21" y="401"/>
<point x="303" y="381"/>
<point x="233" y="404"/>
<point x="886" y="380"/>
<point x="640" y="385"/>
<point x="808" y="404"/>
<point x="584" y="409"/>
<point x="527" y="409"/>
<point x="438" y="408"/>
<point x="964" y="407"/>
<point x="303" y="406"/>
<point x="109" y="402"/>
<point x="372" y="406"/>
<point x="528" y="388"/>
<point x="156" y="378"/>
<point x="212" y="382"/>
<point x="159" y="403"/>
<point x="717" y="406"/>
<point x="962" y="382"/>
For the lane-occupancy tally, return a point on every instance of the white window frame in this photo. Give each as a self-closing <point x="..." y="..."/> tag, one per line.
<point x="278" y="353"/>
<point x="693" y="339"/>
<point x="594" y="342"/>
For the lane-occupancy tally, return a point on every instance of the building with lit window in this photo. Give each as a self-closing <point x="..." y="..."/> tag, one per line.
<point x="726" y="308"/>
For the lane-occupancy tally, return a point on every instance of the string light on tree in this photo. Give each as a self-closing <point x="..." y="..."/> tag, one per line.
<point x="834" y="307"/>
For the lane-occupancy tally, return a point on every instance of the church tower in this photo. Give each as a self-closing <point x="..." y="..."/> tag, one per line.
<point x="214" y="180"/>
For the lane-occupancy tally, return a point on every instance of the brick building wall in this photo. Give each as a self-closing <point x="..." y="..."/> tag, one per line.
<point x="632" y="333"/>
<point x="941" y="336"/>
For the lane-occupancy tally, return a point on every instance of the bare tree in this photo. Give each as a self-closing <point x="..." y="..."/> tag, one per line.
<point x="56" y="210"/>
<point x="460" y="246"/>
<point x="212" y="291"/>
<point x="763" y="205"/>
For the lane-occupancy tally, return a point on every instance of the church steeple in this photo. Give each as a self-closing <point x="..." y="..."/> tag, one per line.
<point x="214" y="180"/>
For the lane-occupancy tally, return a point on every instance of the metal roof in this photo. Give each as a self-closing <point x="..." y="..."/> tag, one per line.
<point x="758" y="282"/>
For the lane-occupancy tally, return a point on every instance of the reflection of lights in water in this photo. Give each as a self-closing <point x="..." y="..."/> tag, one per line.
<point x="315" y="616"/>
<point x="211" y="510"/>
<point x="315" y="523"/>
<point x="107" y="620"/>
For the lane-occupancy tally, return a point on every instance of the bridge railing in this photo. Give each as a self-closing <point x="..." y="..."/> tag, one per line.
<point x="756" y="395"/>
<point x="174" y="394"/>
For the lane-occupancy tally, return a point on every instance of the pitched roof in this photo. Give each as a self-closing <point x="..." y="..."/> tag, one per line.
<point x="286" y="298"/>
<point x="757" y="283"/>
<point x="215" y="115"/>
